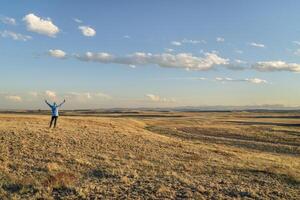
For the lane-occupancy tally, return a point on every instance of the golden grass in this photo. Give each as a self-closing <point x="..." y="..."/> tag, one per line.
<point x="183" y="156"/>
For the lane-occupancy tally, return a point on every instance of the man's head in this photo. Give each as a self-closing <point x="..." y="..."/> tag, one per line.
<point x="54" y="103"/>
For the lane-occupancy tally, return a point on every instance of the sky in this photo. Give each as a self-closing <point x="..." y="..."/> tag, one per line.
<point x="135" y="53"/>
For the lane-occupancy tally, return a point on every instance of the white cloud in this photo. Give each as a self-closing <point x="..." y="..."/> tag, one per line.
<point x="132" y="66"/>
<point x="249" y="80"/>
<point x="223" y="79"/>
<point x="220" y="39"/>
<point x="39" y="25"/>
<point x="153" y="97"/>
<point x="126" y="36"/>
<point x="86" y="96"/>
<point x="238" y="61"/>
<point x="98" y="57"/>
<point x="198" y="78"/>
<point x="296" y="42"/>
<point x="77" y="20"/>
<point x="184" y="78"/>
<point x="8" y="20"/>
<point x="258" y="45"/>
<point x="256" y="80"/>
<point x="87" y="31"/>
<point x="50" y="94"/>
<point x="57" y="53"/>
<point x="181" y="60"/>
<point x="14" y="36"/>
<point x="187" y="41"/>
<point x="169" y="50"/>
<point x="269" y="66"/>
<point x="297" y="52"/>
<point x="14" y="98"/>
<point x="176" y="43"/>
<point x="156" y="98"/>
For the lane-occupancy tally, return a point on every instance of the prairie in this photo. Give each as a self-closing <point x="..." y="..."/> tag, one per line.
<point x="151" y="155"/>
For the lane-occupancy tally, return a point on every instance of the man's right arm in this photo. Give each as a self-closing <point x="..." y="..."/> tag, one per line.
<point x="47" y="103"/>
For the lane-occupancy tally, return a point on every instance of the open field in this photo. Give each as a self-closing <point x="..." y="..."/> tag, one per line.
<point x="151" y="155"/>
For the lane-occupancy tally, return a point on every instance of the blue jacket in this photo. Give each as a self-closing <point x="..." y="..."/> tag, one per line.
<point x="54" y="108"/>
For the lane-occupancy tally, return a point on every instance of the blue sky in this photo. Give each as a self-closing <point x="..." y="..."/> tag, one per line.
<point x="99" y="54"/>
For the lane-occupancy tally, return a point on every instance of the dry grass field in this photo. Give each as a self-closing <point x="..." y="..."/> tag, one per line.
<point x="204" y="155"/>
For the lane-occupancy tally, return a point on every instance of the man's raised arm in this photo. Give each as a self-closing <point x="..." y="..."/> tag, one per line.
<point x="61" y="103"/>
<point x="47" y="103"/>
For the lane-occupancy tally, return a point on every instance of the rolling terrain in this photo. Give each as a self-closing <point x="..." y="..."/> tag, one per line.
<point x="151" y="155"/>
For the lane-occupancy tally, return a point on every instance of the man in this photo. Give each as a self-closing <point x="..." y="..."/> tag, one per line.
<point x="54" y="112"/>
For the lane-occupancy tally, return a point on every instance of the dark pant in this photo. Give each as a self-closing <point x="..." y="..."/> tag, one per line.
<point x="53" y="118"/>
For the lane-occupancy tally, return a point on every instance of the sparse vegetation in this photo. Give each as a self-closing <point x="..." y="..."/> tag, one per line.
<point x="160" y="156"/>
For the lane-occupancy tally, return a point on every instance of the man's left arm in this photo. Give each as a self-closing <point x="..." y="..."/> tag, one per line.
<point x="61" y="103"/>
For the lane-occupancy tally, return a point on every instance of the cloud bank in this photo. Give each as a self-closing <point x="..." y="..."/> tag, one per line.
<point x="271" y="66"/>
<point x="181" y="60"/>
<point x="187" y="61"/>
